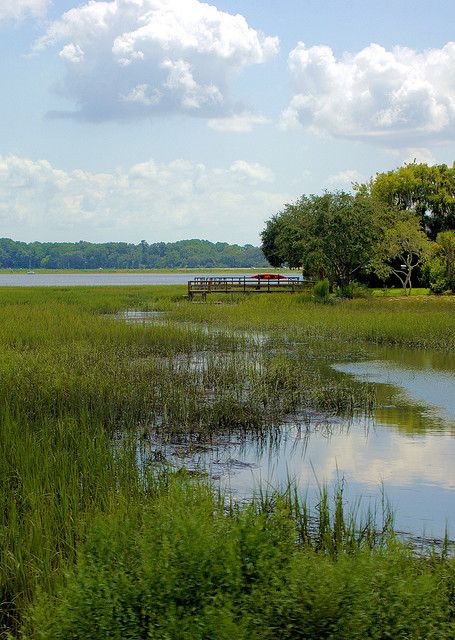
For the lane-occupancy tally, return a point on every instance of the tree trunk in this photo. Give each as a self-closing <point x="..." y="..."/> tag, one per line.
<point x="408" y="284"/>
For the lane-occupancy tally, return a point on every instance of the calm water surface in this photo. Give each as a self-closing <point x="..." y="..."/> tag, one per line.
<point x="406" y="449"/>
<point x="96" y="279"/>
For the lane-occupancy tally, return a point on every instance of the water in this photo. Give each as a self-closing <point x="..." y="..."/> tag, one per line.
<point x="98" y="279"/>
<point x="423" y="377"/>
<point x="406" y="450"/>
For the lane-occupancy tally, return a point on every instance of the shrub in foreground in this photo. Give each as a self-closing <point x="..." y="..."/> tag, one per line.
<point x="321" y="290"/>
<point x="182" y="569"/>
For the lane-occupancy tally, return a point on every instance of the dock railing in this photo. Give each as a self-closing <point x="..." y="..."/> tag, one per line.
<point x="245" y="284"/>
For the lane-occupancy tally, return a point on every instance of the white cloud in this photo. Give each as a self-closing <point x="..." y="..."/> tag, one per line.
<point x="150" y="200"/>
<point x="72" y="52"/>
<point x="238" y="123"/>
<point x="17" y="9"/>
<point x="374" y="94"/>
<point x="344" y="179"/>
<point x="251" y="171"/>
<point x="134" y="58"/>
<point x="419" y="154"/>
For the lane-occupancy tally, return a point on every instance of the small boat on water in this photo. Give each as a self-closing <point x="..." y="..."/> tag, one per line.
<point x="30" y="273"/>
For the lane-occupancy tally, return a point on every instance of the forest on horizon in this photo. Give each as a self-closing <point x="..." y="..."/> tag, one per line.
<point x="123" y="255"/>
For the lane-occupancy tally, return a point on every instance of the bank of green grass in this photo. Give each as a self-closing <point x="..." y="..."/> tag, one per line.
<point x="66" y="353"/>
<point x="180" y="567"/>
<point x="398" y="291"/>
<point x="419" y="322"/>
<point x="426" y="322"/>
<point x="53" y="476"/>
<point x="89" y="534"/>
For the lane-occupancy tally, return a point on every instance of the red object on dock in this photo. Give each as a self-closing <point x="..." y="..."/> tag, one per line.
<point x="268" y="276"/>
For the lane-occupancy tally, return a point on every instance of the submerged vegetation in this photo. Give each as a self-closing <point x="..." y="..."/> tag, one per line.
<point x="97" y="541"/>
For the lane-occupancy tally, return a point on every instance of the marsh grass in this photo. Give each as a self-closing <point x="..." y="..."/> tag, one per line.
<point x="85" y="527"/>
<point x="180" y="567"/>
<point x="62" y="355"/>
<point x="52" y="476"/>
<point x="421" y="322"/>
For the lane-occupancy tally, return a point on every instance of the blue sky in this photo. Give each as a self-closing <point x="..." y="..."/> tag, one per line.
<point x="171" y="119"/>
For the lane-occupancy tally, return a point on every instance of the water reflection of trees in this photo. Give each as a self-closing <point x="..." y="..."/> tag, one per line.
<point x="396" y="410"/>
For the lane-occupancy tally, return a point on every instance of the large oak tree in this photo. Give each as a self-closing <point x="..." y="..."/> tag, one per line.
<point x="331" y="236"/>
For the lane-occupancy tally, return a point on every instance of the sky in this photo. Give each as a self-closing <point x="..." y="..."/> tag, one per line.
<point x="163" y="120"/>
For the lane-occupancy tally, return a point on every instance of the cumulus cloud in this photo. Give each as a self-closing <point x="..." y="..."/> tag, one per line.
<point x="150" y="200"/>
<point x="135" y="58"/>
<point x="374" y="94"/>
<point x="17" y="9"/>
<point x="419" y="154"/>
<point x="251" y="171"/>
<point x="344" y="179"/>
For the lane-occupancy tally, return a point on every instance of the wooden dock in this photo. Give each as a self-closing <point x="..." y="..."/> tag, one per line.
<point x="246" y="284"/>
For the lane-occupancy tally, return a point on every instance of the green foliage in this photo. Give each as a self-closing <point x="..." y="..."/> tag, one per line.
<point x="445" y="252"/>
<point x="353" y="290"/>
<point x="341" y="236"/>
<point x="180" y="568"/>
<point x="403" y="247"/>
<point x="79" y="390"/>
<point x="437" y="276"/>
<point x="321" y="290"/>
<point x="331" y="236"/>
<point x="52" y="475"/>
<point x="121" y="255"/>
<point x="429" y="192"/>
<point x="440" y="270"/>
<point x="269" y="245"/>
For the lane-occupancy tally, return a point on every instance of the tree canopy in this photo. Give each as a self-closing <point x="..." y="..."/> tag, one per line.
<point x="427" y="191"/>
<point x="403" y="247"/>
<point x="121" y="255"/>
<point x="330" y="235"/>
<point x="385" y="228"/>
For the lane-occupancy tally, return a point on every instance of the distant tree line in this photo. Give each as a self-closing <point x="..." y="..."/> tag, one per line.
<point x="122" y="255"/>
<point x="399" y="227"/>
